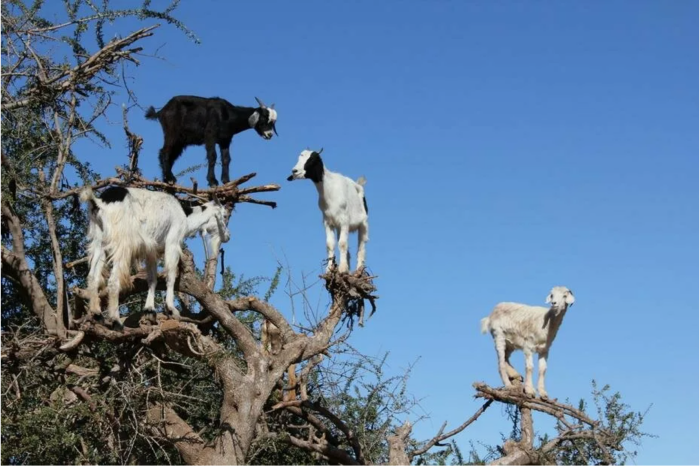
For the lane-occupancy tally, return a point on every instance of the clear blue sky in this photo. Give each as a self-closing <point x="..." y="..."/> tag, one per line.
<point x="508" y="147"/>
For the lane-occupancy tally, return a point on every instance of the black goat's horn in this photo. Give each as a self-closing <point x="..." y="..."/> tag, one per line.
<point x="319" y="151"/>
<point x="260" y="103"/>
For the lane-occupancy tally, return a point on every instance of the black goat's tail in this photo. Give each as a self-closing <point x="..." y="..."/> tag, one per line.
<point x="151" y="113"/>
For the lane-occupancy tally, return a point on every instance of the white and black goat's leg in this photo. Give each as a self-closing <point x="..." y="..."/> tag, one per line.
<point x="330" y="245"/>
<point x="171" y="263"/>
<point x="540" y="377"/>
<point x="343" y="248"/>
<point x="529" y="389"/>
<point x="362" y="238"/>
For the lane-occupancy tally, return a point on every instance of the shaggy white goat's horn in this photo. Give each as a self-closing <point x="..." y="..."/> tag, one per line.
<point x="262" y="105"/>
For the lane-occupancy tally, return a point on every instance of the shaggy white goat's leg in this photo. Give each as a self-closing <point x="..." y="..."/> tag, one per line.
<point x="172" y="260"/>
<point x="151" y="278"/>
<point x="343" y="247"/>
<point x="529" y="389"/>
<point x="330" y="245"/>
<point x="97" y="262"/>
<point x="113" y="287"/>
<point x="500" y="341"/>
<point x="540" y="378"/>
<point x="361" y="242"/>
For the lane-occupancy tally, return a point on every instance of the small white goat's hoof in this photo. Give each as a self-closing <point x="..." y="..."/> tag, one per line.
<point x="544" y="395"/>
<point x="530" y="392"/>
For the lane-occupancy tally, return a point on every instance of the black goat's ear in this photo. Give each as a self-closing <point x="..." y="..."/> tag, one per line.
<point x="253" y="120"/>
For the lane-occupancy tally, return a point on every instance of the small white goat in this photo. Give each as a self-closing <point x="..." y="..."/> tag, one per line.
<point x="530" y="329"/>
<point x="131" y="224"/>
<point x="343" y="204"/>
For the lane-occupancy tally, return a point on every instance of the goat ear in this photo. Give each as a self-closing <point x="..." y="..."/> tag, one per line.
<point x="272" y="106"/>
<point x="253" y="120"/>
<point x="570" y="298"/>
<point x="549" y="299"/>
<point x="262" y="105"/>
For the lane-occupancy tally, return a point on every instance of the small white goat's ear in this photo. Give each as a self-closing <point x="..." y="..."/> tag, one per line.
<point x="549" y="299"/>
<point x="253" y="120"/>
<point x="570" y="298"/>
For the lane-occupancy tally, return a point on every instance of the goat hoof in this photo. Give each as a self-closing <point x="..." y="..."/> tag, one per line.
<point x="117" y="325"/>
<point x="212" y="182"/>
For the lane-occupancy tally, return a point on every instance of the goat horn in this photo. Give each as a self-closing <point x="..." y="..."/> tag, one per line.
<point x="272" y="106"/>
<point x="319" y="151"/>
<point x="262" y="105"/>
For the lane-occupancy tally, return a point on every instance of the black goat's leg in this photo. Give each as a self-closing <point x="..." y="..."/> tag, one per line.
<point x="211" y="158"/>
<point x="167" y="156"/>
<point x="225" y="160"/>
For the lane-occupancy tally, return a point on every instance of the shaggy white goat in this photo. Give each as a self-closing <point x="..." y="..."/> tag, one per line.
<point x="131" y="224"/>
<point x="530" y="329"/>
<point x="343" y="204"/>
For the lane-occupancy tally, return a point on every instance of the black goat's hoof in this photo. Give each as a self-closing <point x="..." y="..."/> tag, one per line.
<point x="212" y="182"/>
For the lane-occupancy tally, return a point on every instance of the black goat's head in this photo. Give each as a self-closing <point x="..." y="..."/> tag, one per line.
<point x="264" y="119"/>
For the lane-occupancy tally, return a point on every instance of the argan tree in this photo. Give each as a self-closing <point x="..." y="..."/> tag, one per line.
<point x="232" y="381"/>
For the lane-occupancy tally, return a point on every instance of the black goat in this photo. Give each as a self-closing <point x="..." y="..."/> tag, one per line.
<point x="190" y="120"/>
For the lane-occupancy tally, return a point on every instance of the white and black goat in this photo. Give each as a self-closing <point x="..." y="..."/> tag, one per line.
<point x="343" y="204"/>
<point x="189" y="120"/>
<point x="531" y="329"/>
<point x="131" y="224"/>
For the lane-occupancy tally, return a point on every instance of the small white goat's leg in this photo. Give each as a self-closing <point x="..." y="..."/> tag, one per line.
<point x="512" y="373"/>
<point x="151" y="278"/>
<point x="361" y="242"/>
<point x="172" y="260"/>
<point x="540" y="378"/>
<point x="113" y="287"/>
<point x="500" y="342"/>
<point x="343" y="247"/>
<point x="330" y="245"/>
<point x="97" y="262"/>
<point x="529" y="389"/>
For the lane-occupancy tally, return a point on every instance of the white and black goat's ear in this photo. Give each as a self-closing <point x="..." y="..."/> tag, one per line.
<point x="549" y="299"/>
<point x="253" y="119"/>
<point x="262" y="105"/>
<point x="570" y="300"/>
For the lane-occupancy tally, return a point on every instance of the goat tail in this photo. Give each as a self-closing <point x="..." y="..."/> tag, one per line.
<point x="87" y="195"/>
<point x="485" y="324"/>
<point x="151" y="113"/>
<point x="362" y="180"/>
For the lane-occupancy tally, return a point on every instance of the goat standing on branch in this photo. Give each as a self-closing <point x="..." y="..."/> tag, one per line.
<point x="530" y="329"/>
<point x="343" y="204"/>
<point x="131" y="224"/>
<point x="189" y="120"/>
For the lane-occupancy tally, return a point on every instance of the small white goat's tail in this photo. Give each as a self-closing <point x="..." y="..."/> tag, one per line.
<point x="485" y="324"/>
<point x="362" y="180"/>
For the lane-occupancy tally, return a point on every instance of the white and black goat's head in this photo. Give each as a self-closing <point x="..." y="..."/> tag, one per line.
<point x="308" y="166"/>
<point x="263" y="120"/>
<point x="560" y="297"/>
